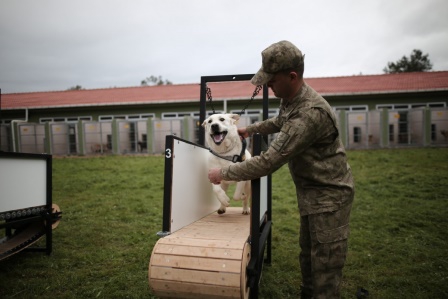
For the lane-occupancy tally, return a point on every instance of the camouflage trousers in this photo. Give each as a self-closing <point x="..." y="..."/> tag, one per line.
<point x="323" y="241"/>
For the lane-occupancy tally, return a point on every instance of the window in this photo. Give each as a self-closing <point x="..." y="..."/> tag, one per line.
<point x="352" y="108"/>
<point x="105" y="118"/>
<point x="384" y="106"/>
<point x="130" y="117"/>
<point x="359" y="108"/>
<point x="169" y="115"/>
<point x="71" y="119"/>
<point x="435" y="105"/>
<point x="410" y="106"/>
<point x="207" y="114"/>
<point x="256" y="112"/>
<point x="248" y="112"/>
<point x="339" y="108"/>
<point x="180" y="115"/>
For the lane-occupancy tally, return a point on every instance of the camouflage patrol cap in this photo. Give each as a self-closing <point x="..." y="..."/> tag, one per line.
<point x="275" y="58"/>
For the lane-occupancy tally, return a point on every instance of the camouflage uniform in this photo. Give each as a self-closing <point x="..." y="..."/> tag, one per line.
<point x="309" y="142"/>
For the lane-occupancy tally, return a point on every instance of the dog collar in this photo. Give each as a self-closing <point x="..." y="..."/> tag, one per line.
<point x="235" y="158"/>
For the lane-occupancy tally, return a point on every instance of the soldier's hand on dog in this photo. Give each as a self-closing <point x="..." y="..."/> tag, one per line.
<point x="214" y="175"/>
<point x="243" y="133"/>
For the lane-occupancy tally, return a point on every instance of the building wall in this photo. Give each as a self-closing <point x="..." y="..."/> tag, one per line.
<point x="358" y="130"/>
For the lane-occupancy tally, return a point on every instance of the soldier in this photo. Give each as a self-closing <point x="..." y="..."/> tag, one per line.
<point x="308" y="140"/>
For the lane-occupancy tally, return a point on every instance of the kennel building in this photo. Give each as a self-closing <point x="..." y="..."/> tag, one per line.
<point x="374" y="111"/>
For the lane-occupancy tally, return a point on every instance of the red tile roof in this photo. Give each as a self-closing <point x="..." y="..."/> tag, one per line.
<point x="330" y="86"/>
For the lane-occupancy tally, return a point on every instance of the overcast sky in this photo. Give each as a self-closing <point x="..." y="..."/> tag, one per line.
<point x="48" y="45"/>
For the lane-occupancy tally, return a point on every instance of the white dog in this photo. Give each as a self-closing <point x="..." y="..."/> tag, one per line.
<point x="226" y="148"/>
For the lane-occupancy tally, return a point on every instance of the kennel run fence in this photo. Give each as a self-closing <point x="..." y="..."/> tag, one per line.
<point x="92" y="137"/>
<point x="394" y="128"/>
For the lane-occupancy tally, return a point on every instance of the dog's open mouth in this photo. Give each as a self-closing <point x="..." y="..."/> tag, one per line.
<point x="218" y="137"/>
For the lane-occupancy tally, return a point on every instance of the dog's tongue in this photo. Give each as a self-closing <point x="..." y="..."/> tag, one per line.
<point x="218" y="137"/>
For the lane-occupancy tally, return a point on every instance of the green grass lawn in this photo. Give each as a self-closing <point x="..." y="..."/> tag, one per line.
<point x="112" y="209"/>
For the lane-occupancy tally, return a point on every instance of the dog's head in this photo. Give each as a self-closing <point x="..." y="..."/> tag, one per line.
<point x="219" y="126"/>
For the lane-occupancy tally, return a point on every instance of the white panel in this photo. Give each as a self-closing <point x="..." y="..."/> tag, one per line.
<point x="23" y="183"/>
<point x="192" y="194"/>
<point x="263" y="197"/>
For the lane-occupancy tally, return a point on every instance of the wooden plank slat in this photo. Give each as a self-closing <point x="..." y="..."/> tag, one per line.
<point x="230" y="244"/>
<point x="196" y="263"/>
<point x="209" y="233"/>
<point x="216" y="228"/>
<point x="234" y="254"/>
<point x="193" y="276"/>
<point x="187" y="290"/>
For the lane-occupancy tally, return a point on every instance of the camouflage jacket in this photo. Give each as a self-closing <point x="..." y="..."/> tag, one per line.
<point x="309" y="142"/>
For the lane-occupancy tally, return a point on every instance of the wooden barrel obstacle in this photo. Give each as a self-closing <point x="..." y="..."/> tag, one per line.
<point x="206" y="259"/>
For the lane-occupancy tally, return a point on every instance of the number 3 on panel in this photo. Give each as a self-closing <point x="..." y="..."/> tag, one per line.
<point x="168" y="153"/>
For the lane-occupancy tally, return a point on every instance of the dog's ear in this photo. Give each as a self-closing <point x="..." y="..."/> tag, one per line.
<point x="235" y="117"/>
<point x="204" y="123"/>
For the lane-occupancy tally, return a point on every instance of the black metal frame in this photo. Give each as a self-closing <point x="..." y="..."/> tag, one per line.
<point x="46" y="215"/>
<point x="260" y="233"/>
<point x="167" y="182"/>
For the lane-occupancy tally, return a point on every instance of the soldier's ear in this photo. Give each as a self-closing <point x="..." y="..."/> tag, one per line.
<point x="293" y="75"/>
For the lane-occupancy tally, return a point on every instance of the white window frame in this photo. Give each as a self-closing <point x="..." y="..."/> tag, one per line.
<point x="181" y="115"/>
<point x="351" y="108"/>
<point x="411" y="106"/>
<point x="126" y="117"/>
<point x="69" y="119"/>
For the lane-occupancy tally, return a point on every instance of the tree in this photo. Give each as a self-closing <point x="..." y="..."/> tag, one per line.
<point x="417" y="62"/>
<point x="153" y="80"/>
<point x="77" y="87"/>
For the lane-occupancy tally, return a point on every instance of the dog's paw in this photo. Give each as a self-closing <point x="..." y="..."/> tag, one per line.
<point x="221" y="211"/>
<point x="242" y="197"/>
<point x="246" y="212"/>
